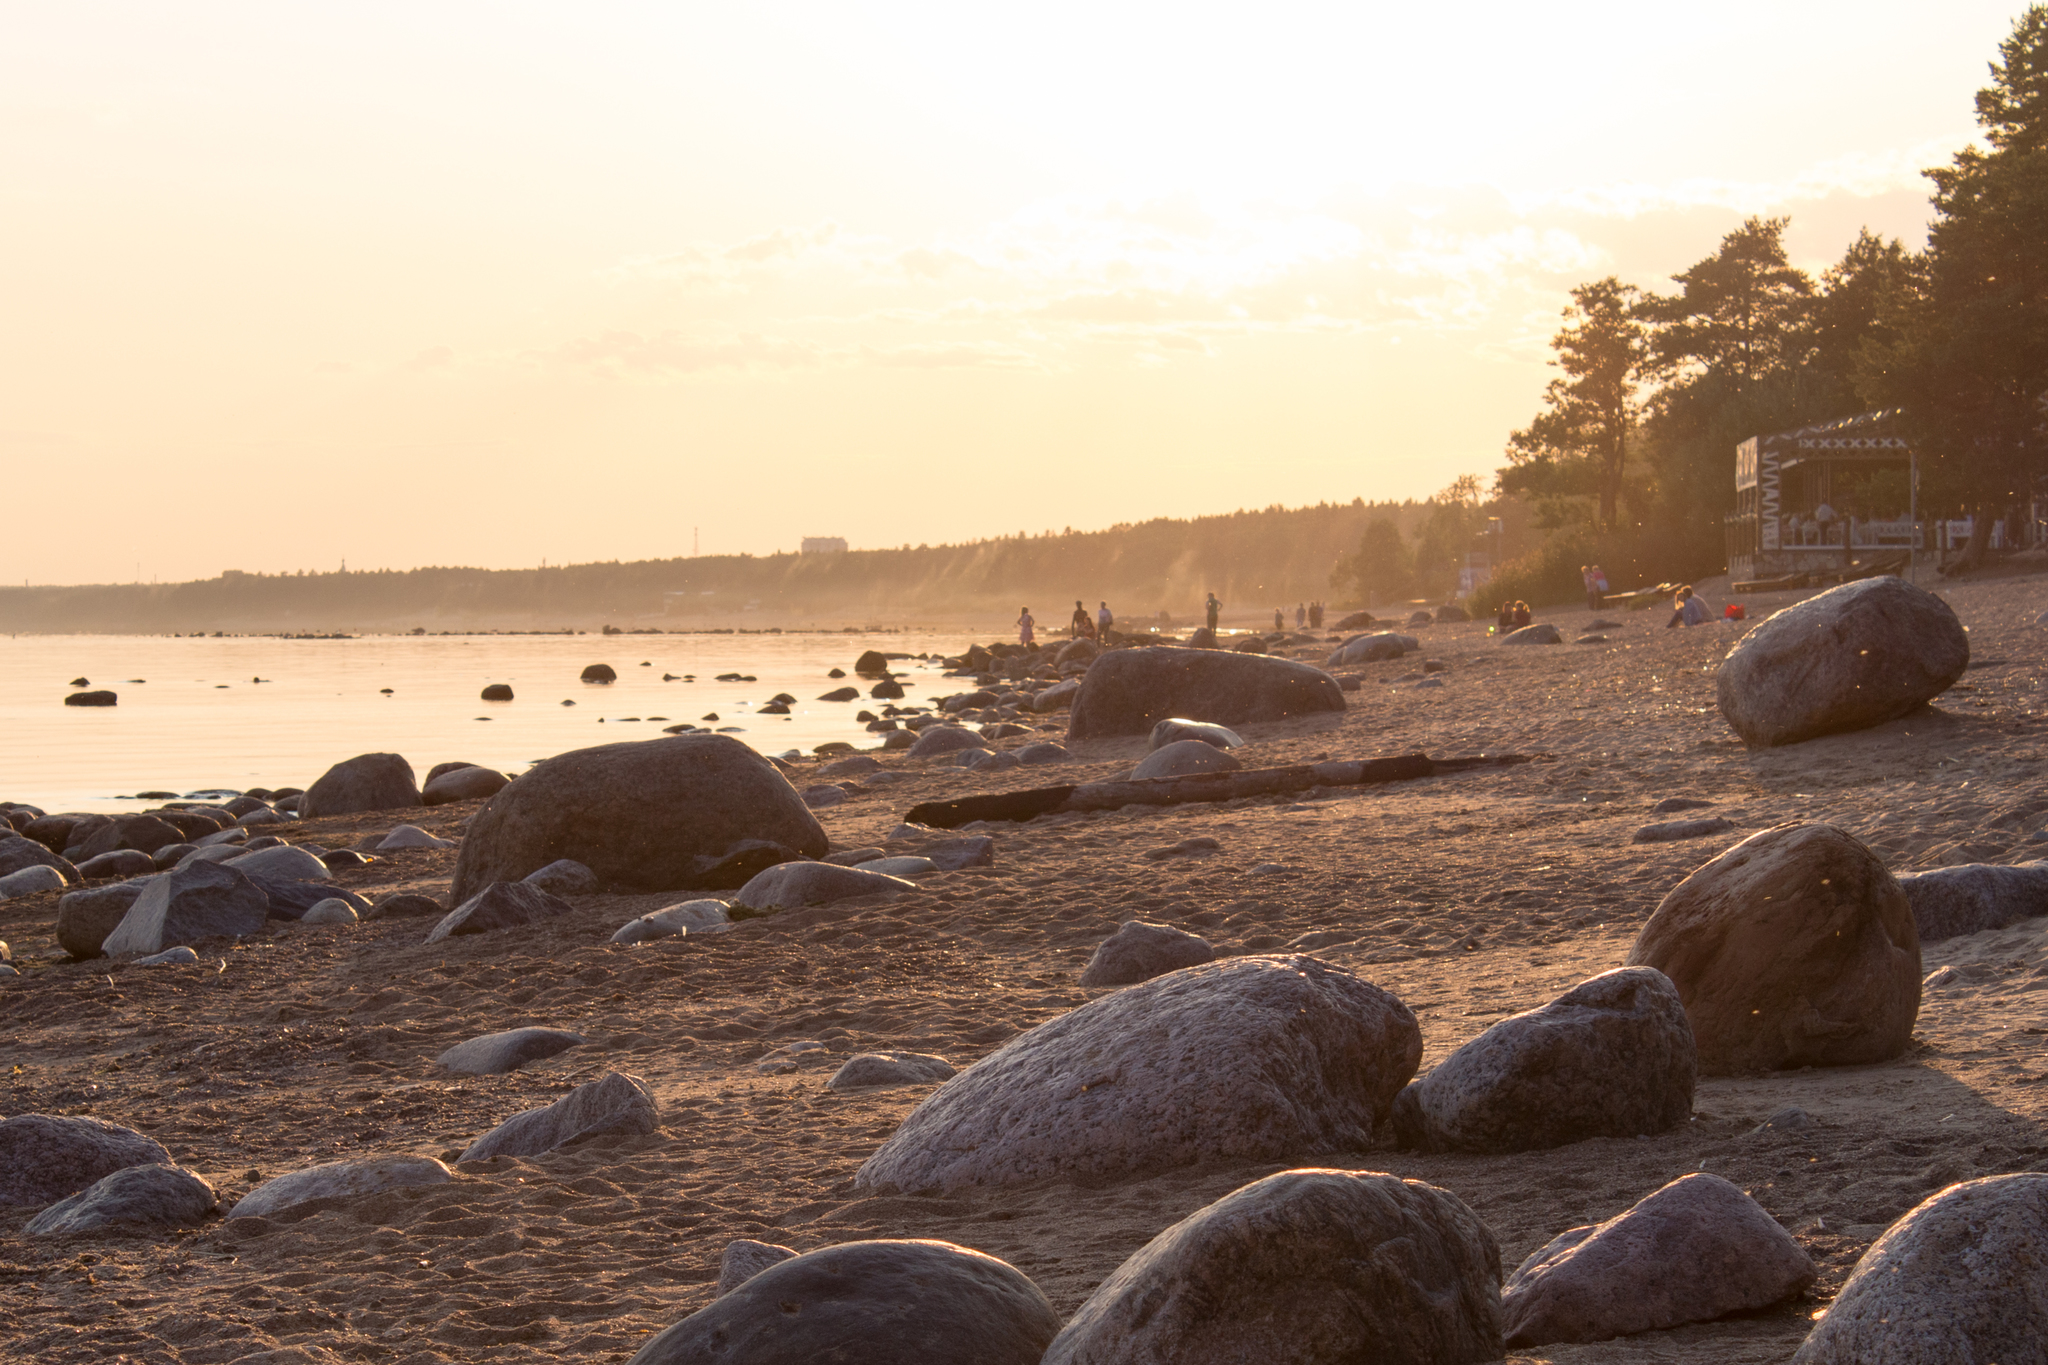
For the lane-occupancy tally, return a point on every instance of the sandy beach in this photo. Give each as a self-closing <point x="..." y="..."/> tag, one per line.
<point x="1471" y="896"/>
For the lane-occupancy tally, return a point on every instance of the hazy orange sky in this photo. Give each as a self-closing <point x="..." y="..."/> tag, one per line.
<point x="440" y="283"/>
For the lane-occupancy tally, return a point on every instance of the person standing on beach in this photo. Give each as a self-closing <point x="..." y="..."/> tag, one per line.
<point x="1300" y="615"/>
<point x="1103" y="621"/>
<point x="1315" y="616"/>
<point x="1080" y="625"/>
<point x="1279" y="619"/>
<point x="1215" y="612"/>
<point x="1025" y="626"/>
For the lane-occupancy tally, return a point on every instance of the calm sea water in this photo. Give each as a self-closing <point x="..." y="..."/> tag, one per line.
<point x="196" y="719"/>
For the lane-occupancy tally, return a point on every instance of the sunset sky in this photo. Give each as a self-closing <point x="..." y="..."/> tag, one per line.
<point x="441" y="283"/>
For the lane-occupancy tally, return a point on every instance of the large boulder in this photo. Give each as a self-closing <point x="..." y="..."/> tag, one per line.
<point x="869" y="1303"/>
<point x="365" y="782"/>
<point x="1850" y="658"/>
<point x="44" y="1158"/>
<point x="30" y="881"/>
<point x="85" y="917"/>
<point x="1611" y="1057"/>
<point x="1128" y="691"/>
<point x="141" y="833"/>
<point x="1794" y="948"/>
<point x="17" y="853"/>
<point x="1957" y="1279"/>
<point x="205" y="900"/>
<point x="1184" y="758"/>
<point x="1948" y="901"/>
<point x="615" y="1103"/>
<point x="339" y="1180"/>
<point x="648" y="815"/>
<point x="464" y="784"/>
<point x="1252" y="1059"/>
<point x="1696" y="1250"/>
<point x="1138" y="951"/>
<point x="794" y="886"/>
<point x="1307" y="1265"/>
<point x="135" y="1197"/>
<point x="501" y="905"/>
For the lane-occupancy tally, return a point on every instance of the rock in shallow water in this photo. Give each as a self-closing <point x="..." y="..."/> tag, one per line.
<point x="1250" y="1059"/>
<point x="1306" y="1265"/>
<point x="44" y="1158"/>
<point x="1957" y="1279"/>
<point x="1612" y="1057"/>
<point x="134" y="1198"/>
<point x="339" y="1180"/>
<point x="869" y="1303"/>
<point x="616" y="1103"/>
<point x="1696" y="1250"/>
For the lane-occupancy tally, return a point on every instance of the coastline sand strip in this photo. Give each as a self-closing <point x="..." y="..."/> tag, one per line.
<point x="1019" y="806"/>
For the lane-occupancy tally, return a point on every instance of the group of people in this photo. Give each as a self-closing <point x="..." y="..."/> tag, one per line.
<point x="1307" y="615"/>
<point x="1595" y="579"/>
<point x="1081" y="627"/>
<point x="1513" y="616"/>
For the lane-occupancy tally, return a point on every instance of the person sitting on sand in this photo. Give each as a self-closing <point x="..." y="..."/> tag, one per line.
<point x="1505" y="622"/>
<point x="1081" y="625"/>
<point x="1025" y="625"/>
<point x="1521" y="616"/>
<point x="1687" y="609"/>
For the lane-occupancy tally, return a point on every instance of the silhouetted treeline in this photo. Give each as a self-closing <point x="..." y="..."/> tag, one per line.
<point x="1255" y="561"/>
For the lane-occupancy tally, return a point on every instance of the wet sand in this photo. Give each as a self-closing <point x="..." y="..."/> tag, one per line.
<point x="1472" y="896"/>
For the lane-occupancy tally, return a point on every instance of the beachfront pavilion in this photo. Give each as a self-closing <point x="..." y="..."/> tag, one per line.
<point x="1817" y="499"/>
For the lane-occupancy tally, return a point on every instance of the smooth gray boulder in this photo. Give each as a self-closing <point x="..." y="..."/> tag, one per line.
<point x="501" y="905"/>
<point x="410" y="836"/>
<point x="1049" y="699"/>
<point x="496" y="1053"/>
<point x="180" y="956"/>
<point x="648" y="815"/>
<point x="939" y="740"/>
<point x="1128" y="691"/>
<point x="85" y="917"/>
<point x="969" y="850"/>
<point x="31" y="881"/>
<point x="295" y="900"/>
<point x="1948" y="901"/>
<point x="1138" y="951"/>
<point x="205" y="900"/>
<point x="140" y="833"/>
<point x="281" y="861"/>
<point x="44" y="1157"/>
<point x="17" y="853"/>
<point x="1041" y="753"/>
<point x="404" y="905"/>
<point x="463" y="784"/>
<point x="898" y="865"/>
<point x="690" y="917"/>
<point x="365" y="782"/>
<point x="1250" y="1059"/>
<point x="745" y="1258"/>
<point x="1372" y="648"/>
<point x="1670" y="831"/>
<point x="1793" y="948"/>
<point x="853" y="765"/>
<point x="1846" y="659"/>
<point x="794" y="886"/>
<point x="1184" y="758"/>
<point x="869" y="1303"/>
<point x="563" y="877"/>
<point x="615" y="1103"/>
<point x="122" y="862"/>
<point x="1541" y="633"/>
<point x="1958" y="1279"/>
<point x="890" y="1068"/>
<point x="1174" y="729"/>
<point x="1696" y="1250"/>
<point x="1611" y="1057"/>
<point x="333" y="910"/>
<point x="1306" y="1265"/>
<point x="130" y="1199"/>
<point x="339" y="1180"/>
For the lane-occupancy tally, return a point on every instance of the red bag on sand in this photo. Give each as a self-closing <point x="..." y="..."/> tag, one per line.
<point x="1734" y="611"/>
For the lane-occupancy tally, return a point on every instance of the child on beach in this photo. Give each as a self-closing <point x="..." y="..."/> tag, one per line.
<point x="1025" y="625"/>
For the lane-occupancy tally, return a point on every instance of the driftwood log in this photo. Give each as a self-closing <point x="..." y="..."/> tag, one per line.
<point x="1174" y="791"/>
